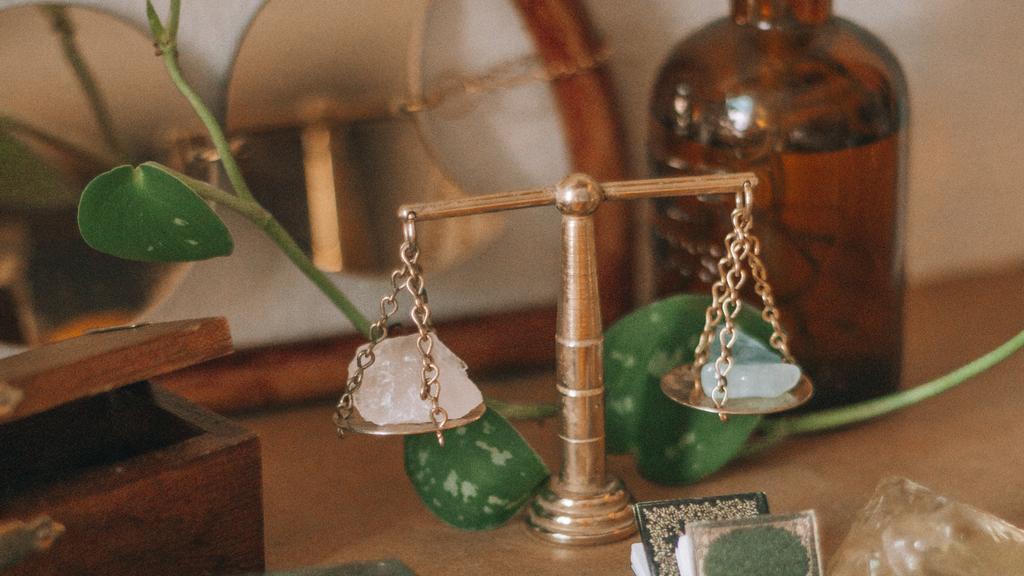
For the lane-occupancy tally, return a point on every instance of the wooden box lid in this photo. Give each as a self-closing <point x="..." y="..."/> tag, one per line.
<point x="43" y="378"/>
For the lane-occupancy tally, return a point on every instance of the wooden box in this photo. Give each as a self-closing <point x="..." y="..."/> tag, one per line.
<point x="134" y="479"/>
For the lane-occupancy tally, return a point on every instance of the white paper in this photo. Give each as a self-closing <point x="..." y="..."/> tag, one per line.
<point x="638" y="560"/>
<point x="684" y="556"/>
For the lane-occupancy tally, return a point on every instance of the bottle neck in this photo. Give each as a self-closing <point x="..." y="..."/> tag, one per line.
<point x="770" y="13"/>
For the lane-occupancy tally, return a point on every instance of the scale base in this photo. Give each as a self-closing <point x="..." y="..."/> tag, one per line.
<point x="562" y="517"/>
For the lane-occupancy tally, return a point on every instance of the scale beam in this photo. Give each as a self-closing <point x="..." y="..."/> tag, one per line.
<point x="628" y="190"/>
<point x="681" y="186"/>
<point x="583" y="504"/>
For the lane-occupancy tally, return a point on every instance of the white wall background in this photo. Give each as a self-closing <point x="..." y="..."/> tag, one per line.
<point x="965" y="67"/>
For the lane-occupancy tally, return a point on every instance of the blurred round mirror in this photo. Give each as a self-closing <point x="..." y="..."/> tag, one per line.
<point x="342" y="111"/>
<point x="490" y="113"/>
<point x="81" y="93"/>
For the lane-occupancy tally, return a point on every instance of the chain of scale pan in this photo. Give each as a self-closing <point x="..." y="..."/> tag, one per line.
<point x="365" y="356"/>
<point x="735" y="277"/>
<point x="769" y="312"/>
<point x="430" y="387"/>
<point x="741" y="245"/>
<point x="408" y="277"/>
<point x="724" y="290"/>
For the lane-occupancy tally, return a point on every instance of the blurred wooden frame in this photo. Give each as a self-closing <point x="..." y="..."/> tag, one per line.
<point x="289" y="373"/>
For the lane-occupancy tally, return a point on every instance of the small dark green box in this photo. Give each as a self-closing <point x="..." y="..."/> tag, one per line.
<point x="661" y="522"/>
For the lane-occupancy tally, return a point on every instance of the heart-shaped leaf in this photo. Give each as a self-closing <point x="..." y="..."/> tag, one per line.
<point x="681" y="445"/>
<point x="149" y="213"/>
<point x="673" y="444"/>
<point x="480" y="478"/>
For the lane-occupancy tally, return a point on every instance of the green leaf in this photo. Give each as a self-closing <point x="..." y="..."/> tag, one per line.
<point x="149" y="213"/>
<point x="480" y="478"/>
<point x="680" y="445"/>
<point x="673" y="444"/>
<point x="27" y="181"/>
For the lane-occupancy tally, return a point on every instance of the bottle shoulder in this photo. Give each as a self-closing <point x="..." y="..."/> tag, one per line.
<point x="825" y="85"/>
<point x="837" y="38"/>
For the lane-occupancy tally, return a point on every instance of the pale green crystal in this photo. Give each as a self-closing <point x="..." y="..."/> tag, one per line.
<point x="757" y="371"/>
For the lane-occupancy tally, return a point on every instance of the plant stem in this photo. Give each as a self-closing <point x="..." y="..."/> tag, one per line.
<point x="167" y="44"/>
<point x="515" y="411"/>
<point x="244" y="203"/>
<point x="775" y="430"/>
<point x="265" y="221"/>
<point x="65" y="29"/>
<point x="294" y="253"/>
<point x="172" y="25"/>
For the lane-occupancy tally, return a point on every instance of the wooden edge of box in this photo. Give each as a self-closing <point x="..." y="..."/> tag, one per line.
<point x="296" y="372"/>
<point x="197" y="500"/>
<point x="56" y="374"/>
<point x="215" y="433"/>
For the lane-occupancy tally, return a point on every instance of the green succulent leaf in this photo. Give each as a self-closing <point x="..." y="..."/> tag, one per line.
<point x="673" y="444"/>
<point x="149" y="213"/>
<point x="480" y="478"/>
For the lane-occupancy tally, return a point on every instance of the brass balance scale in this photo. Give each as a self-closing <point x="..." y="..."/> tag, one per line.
<point x="583" y="504"/>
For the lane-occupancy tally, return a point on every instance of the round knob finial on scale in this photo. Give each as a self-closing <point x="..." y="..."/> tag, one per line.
<point x="578" y="195"/>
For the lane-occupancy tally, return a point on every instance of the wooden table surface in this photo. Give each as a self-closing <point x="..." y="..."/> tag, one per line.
<point x="328" y="501"/>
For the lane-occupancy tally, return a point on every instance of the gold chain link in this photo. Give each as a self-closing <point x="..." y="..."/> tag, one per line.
<point x="769" y="312"/>
<point x="740" y="245"/>
<point x="731" y="268"/>
<point x="365" y="356"/>
<point x="408" y="277"/>
<point x="430" y="386"/>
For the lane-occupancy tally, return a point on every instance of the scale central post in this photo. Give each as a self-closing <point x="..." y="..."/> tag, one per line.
<point x="583" y="504"/>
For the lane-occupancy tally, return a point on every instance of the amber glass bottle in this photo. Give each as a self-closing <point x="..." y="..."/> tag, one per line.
<point x="816" y="106"/>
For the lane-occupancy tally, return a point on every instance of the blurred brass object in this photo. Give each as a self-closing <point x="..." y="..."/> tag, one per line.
<point x="328" y="102"/>
<point x="52" y="284"/>
<point x="583" y="504"/>
<point x="63" y="68"/>
<point x="19" y="540"/>
<point x="10" y="398"/>
<point x="337" y="229"/>
<point x="14" y="290"/>
<point x="332" y="182"/>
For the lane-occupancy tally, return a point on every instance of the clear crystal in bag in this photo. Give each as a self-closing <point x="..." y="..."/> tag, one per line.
<point x="907" y="530"/>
